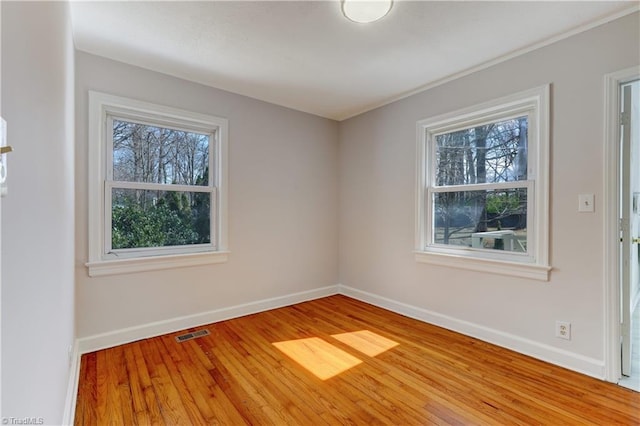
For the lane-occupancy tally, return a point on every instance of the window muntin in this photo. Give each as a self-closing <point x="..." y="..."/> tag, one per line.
<point x="479" y="169"/>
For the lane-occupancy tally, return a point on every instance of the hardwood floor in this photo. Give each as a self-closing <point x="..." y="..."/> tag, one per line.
<point x="414" y="374"/>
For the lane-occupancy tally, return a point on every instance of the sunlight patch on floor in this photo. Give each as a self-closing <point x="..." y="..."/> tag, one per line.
<point x="318" y="356"/>
<point x="365" y="341"/>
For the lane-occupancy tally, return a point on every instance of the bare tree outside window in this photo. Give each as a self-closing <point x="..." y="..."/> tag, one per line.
<point x="482" y="186"/>
<point x="486" y="157"/>
<point x="169" y="158"/>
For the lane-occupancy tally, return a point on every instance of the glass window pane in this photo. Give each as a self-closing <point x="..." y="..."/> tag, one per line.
<point x="482" y="219"/>
<point x="153" y="154"/>
<point x="145" y="218"/>
<point x="491" y="153"/>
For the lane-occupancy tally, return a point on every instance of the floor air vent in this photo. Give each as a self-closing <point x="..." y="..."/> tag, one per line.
<point x="193" y="335"/>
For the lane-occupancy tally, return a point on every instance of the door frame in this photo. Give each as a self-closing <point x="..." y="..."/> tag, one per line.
<point x="612" y="256"/>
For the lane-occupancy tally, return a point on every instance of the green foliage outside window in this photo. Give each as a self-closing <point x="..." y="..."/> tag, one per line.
<point x="507" y="201"/>
<point x="159" y="216"/>
<point x="172" y="221"/>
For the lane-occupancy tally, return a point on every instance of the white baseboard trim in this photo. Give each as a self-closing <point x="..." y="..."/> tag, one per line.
<point x="72" y="387"/>
<point x="131" y="334"/>
<point x="570" y="360"/>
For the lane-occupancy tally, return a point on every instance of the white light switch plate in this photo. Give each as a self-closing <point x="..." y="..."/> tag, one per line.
<point x="586" y="203"/>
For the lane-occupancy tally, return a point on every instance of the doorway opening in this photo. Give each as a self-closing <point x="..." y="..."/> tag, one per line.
<point x="629" y="113"/>
<point x="622" y="228"/>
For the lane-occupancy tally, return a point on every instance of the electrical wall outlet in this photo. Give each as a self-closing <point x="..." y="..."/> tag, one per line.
<point x="563" y="330"/>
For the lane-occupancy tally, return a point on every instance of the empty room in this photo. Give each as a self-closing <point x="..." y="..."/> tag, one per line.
<point x="320" y="212"/>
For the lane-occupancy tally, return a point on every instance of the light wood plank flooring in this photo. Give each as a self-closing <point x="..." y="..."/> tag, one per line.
<point x="407" y="373"/>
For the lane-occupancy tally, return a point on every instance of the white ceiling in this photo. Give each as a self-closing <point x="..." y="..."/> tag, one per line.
<point x="306" y="55"/>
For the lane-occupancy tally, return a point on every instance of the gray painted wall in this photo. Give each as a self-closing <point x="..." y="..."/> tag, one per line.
<point x="38" y="213"/>
<point x="283" y="194"/>
<point x="377" y="201"/>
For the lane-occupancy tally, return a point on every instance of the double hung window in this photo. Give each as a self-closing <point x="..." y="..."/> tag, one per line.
<point x="483" y="186"/>
<point x="157" y="185"/>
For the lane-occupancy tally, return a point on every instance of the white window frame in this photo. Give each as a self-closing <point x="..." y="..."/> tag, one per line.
<point x="103" y="108"/>
<point x="534" y="104"/>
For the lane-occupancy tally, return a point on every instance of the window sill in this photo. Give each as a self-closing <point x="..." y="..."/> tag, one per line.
<point x="512" y="269"/>
<point x="154" y="263"/>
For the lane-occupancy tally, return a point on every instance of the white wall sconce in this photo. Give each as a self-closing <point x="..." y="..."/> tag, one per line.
<point x="365" y="11"/>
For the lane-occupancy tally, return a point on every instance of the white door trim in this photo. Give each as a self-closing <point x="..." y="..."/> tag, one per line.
<point x="611" y="244"/>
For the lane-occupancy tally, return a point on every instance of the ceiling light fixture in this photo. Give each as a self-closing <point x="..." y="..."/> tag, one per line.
<point x="365" y="11"/>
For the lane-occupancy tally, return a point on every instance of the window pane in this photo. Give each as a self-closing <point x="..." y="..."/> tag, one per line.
<point x="491" y="153"/>
<point x="144" y="218"/>
<point x="482" y="219"/>
<point x="152" y="154"/>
